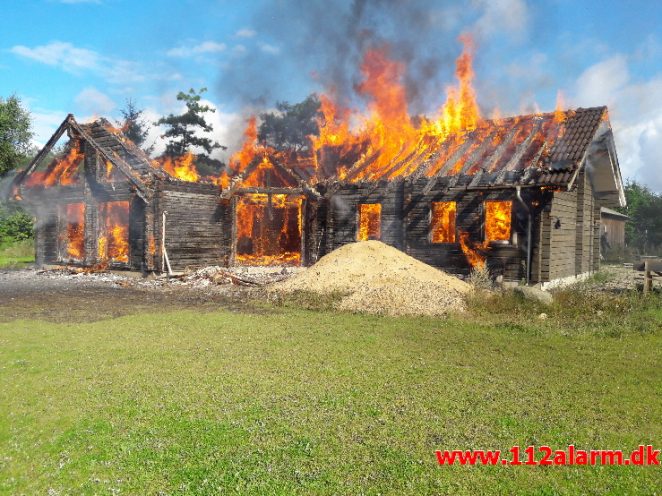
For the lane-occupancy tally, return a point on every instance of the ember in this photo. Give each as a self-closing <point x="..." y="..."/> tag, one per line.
<point x="269" y="229"/>
<point x="72" y="229"/>
<point x="113" y="240"/>
<point x="370" y="221"/>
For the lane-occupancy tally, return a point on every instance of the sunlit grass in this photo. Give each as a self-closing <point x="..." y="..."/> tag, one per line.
<point x="17" y="254"/>
<point x="305" y="402"/>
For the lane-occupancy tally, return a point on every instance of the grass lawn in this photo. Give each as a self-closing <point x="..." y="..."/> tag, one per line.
<point x="296" y="401"/>
<point x="16" y="255"/>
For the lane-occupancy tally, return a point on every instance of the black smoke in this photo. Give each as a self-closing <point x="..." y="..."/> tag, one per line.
<point x="324" y="42"/>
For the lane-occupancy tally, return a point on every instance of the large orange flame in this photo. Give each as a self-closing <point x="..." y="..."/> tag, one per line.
<point x="113" y="240"/>
<point x="72" y="222"/>
<point x="269" y="229"/>
<point x="387" y="143"/>
<point x="63" y="171"/>
<point x="442" y="222"/>
<point x="370" y="221"/>
<point x="472" y="251"/>
<point x="498" y="220"/>
<point x="182" y="167"/>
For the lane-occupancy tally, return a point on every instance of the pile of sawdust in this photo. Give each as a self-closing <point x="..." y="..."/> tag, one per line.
<point x="377" y="278"/>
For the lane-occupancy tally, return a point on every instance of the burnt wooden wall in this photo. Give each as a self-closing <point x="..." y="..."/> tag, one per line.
<point x="342" y="214"/>
<point x="502" y="259"/>
<point x="406" y="224"/>
<point x="91" y="191"/>
<point x="196" y="225"/>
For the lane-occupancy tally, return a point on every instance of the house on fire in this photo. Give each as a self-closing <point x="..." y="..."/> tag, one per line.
<point x="522" y="195"/>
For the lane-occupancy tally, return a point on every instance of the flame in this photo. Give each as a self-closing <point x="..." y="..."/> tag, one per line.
<point x="63" y="171"/>
<point x="113" y="240"/>
<point x="498" y="220"/>
<point x="442" y="222"/>
<point x="471" y="250"/>
<point x="182" y="167"/>
<point x="72" y="216"/>
<point x="388" y="144"/>
<point x="559" y="113"/>
<point x="241" y="159"/>
<point x="269" y="229"/>
<point x="370" y="221"/>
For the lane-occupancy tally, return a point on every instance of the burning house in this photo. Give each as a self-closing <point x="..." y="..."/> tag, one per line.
<point x="521" y="195"/>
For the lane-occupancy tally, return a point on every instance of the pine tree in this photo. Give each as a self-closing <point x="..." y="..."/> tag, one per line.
<point x="183" y="130"/>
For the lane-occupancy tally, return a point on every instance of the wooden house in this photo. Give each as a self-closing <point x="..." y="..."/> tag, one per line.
<point x="522" y="195"/>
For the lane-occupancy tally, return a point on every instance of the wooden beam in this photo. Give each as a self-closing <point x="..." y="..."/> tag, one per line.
<point x="142" y="191"/>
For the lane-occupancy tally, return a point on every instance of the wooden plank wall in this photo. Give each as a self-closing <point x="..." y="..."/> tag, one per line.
<point x="46" y="234"/>
<point x="559" y="236"/>
<point x="596" y="237"/>
<point x="585" y="225"/>
<point x="615" y="231"/>
<point x="194" y="225"/>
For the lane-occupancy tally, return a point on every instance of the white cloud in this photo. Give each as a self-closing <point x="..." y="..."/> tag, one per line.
<point x="93" y="101"/>
<point x="245" y="33"/>
<point x="267" y="48"/>
<point x="239" y="49"/>
<point x="600" y="83"/>
<point x="61" y="54"/>
<point x="202" y="48"/>
<point x="76" y="60"/>
<point x="501" y="16"/>
<point x="635" y="110"/>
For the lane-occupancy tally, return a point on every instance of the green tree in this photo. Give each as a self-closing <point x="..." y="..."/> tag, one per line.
<point x="182" y="130"/>
<point x="15" y="134"/>
<point x="644" y="207"/>
<point x="291" y="125"/>
<point x="134" y="126"/>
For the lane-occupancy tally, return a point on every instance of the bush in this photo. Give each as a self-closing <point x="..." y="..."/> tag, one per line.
<point x="15" y="225"/>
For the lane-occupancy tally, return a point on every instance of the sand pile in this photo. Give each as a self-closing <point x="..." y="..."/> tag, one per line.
<point x="377" y="278"/>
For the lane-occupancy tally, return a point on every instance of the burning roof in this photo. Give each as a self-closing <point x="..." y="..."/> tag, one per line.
<point x="454" y="148"/>
<point x="531" y="149"/>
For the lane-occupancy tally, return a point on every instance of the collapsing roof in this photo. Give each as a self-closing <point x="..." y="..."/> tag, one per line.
<point x="531" y="150"/>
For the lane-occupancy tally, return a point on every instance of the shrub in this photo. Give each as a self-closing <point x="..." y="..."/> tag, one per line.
<point x="15" y="225"/>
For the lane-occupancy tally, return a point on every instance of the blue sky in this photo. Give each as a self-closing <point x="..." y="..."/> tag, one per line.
<point x="86" y="57"/>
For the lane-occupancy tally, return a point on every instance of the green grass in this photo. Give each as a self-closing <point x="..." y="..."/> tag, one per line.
<point x="17" y="254"/>
<point x="304" y="402"/>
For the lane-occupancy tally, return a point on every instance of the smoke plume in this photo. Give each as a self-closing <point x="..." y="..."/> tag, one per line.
<point x="325" y="42"/>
